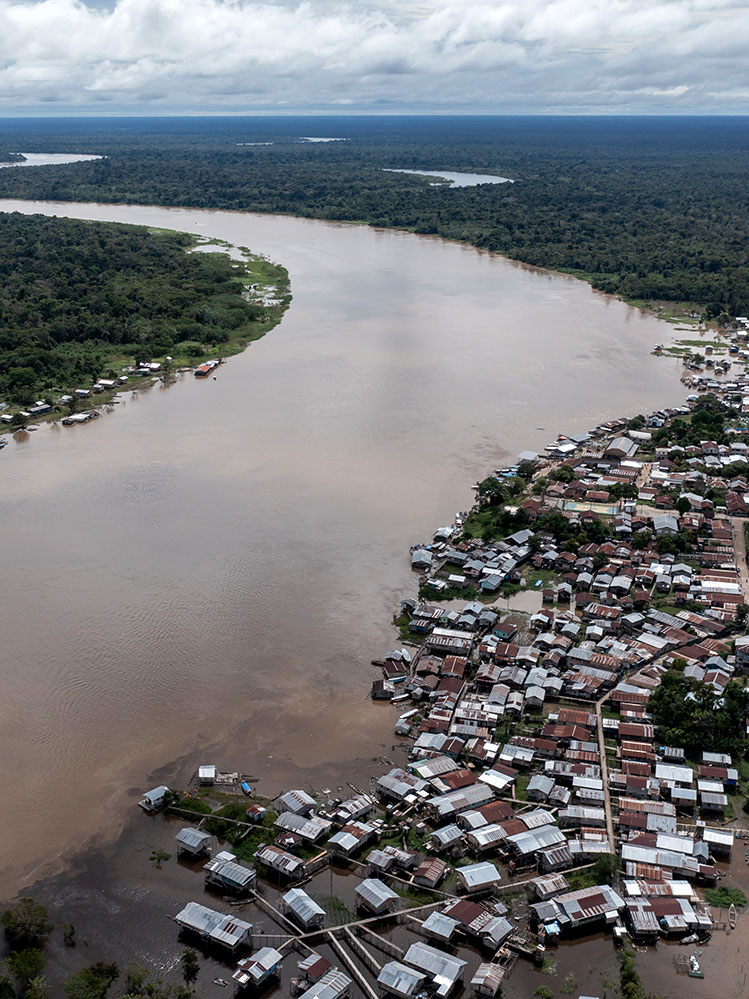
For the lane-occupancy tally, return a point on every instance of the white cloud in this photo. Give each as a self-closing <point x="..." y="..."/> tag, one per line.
<point x="505" y="55"/>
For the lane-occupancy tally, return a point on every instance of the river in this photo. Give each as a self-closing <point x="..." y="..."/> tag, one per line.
<point x="206" y="572"/>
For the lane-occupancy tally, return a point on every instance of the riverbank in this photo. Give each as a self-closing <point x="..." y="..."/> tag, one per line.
<point x="268" y="472"/>
<point x="234" y="303"/>
<point x="104" y="881"/>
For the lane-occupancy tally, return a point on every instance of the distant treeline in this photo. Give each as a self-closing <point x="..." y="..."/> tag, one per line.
<point x="6" y="157"/>
<point x="645" y="208"/>
<point x="80" y="298"/>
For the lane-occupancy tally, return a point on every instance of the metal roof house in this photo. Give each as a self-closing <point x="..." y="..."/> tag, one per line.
<point x="584" y="907"/>
<point x="439" y="926"/>
<point x="153" y="800"/>
<point x="398" y="980"/>
<point x="193" y="841"/>
<point x="487" y="981"/>
<point x="445" y="971"/>
<point x="214" y="927"/>
<point x="333" y="985"/>
<point x="259" y="967"/>
<point x="298" y="802"/>
<point x="279" y="860"/>
<point x="375" y="895"/>
<point x="225" y="873"/>
<point x="303" y="909"/>
<point x="311" y="828"/>
<point x="207" y="774"/>
<point x="352" y="837"/>
<point x="478" y="877"/>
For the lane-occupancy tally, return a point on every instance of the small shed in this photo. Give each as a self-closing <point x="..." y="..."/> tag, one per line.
<point x="207" y="774"/>
<point x="153" y="800"/>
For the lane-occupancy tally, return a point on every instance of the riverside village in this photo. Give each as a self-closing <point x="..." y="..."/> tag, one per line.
<point x="571" y="710"/>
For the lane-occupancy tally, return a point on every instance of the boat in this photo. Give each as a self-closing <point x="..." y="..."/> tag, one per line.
<point x="203" y="370"/>
<point x="246" y="788"/>
<point x="692" y="938"/>
<point x="694" y="968"/>
<point x="732" y="916"/>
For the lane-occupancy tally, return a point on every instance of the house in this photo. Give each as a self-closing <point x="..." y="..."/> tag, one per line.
<point x="276" y="859"/>
<point x="258" y="968"/>
<point x="487" y="980"/>
<point x="225" y="873"/>
<point x="399" y="980"/>
<point x="303" y="909"/>
<point x="439" y="926"/>
<point x="477" y="878"/>
<point x="206" y="775"/>
<point x="444" y="971"/>
<point x="375" y="895"/>
<point x="334" y="984"/>
<point x="430" y="872"/>
<point x="352" y="837"/>
<point x="193" y="841"/>
<point x="311" y="828"/>
<point x="421" y="560"/>
<point x="214" y="927"/>
<point x="155" y="799"/>
<point x="588" y="907"/>
<point x="298" y="802"/>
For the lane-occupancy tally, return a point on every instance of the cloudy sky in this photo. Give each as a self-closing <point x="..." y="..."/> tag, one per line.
<point x="487" y="56"/>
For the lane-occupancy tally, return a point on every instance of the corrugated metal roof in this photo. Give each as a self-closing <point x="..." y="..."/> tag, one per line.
<point x="375" y="892"/>
<point x="396" y="977"/>
<point x="300" y="903"/>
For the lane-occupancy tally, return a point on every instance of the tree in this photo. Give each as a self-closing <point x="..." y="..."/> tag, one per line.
<point x="68" y="934"/>
<point x="26" y="924"/>
<point x="190" y="966"/>
<point x="7" y="985"/>
<point x="37" y="988"/>
<point x="605" y="868"/>
<point x="563" y="474"/>
<point x="489" y="492"/>
<point x="158" y="857"/>
<point x="543" y="992"/>
<point x="27" y="963"/>
<point x="683" y="505"/>
<point x="92" y="982"/>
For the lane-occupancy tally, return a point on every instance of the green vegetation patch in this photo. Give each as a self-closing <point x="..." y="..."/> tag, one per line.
<point x="723" y="897"/>
<point x="80" y="299"/>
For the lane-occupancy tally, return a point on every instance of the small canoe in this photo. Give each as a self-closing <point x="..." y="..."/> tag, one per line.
<point x="732" y="916"/>
<point x="246" y="788"/>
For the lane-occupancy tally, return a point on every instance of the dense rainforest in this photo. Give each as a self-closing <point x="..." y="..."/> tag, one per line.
<point x="650" y="209"/>
<point x="79" y="299"/>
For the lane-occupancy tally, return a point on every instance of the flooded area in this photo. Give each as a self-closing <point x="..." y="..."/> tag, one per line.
<point x="51" y="159"/>
<point x="457" y="179"/>
<point x="207" y="571"/>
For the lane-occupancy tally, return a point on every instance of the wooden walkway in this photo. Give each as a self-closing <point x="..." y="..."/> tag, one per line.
<point x="605" y="773"/>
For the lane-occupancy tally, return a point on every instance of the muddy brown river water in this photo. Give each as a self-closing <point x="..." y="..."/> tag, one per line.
<point x="206" y="572"/>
